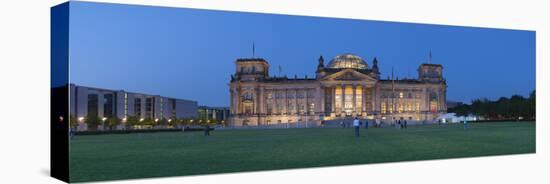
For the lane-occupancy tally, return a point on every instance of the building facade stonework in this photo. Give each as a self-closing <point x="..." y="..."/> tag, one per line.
<point x="345" y="88"/>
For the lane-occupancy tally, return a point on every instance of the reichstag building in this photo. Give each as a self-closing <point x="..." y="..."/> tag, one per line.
<point x="344" y="88"/>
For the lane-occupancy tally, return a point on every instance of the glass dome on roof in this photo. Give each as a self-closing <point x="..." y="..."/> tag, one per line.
<point x="347" y="61"/>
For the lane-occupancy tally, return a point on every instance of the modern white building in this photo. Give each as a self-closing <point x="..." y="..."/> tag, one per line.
<point x="108" y="103"/>
<point x="452" y="118"/>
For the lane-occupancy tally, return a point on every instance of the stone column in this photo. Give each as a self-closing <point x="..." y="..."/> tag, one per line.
<point x="256" y="101"/>
<point x="321" y="97"/>
<point x="363" y="100"/>
<point x="333" y="98"/>
<point x="296" y="104"/>
<point x="261" y="102"/>
<point x="275" y="107"/>
<point x="354" y="99"/>
<point x="237" y="101"/>
<point x="285" y="102"/>
<point x="307" y="102"/>
<point x="231" y="102"/>
<point x="343" y="99"/>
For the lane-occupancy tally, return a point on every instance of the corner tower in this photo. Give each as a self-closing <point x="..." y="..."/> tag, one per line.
<point x="430" y="72"/>
<point x="251" y="69"/>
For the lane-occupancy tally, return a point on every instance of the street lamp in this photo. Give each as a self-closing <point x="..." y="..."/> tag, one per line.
<point x="80" y="119"/>
<point x="103" y="123"/>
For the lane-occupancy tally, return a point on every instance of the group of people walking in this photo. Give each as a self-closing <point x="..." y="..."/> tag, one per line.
<point x="400" y="124"/>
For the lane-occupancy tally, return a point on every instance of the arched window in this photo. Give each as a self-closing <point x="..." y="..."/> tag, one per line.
<point x="433" y="102"/>
<point x="433" y="106"/>
<point x="400" y="107"/>
<point x="383" y="107"/>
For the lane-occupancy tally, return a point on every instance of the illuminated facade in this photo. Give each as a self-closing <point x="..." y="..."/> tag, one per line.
<point x="345" y="88"/>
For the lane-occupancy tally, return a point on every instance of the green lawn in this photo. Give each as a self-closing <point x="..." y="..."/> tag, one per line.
<point x="126" y="156"/>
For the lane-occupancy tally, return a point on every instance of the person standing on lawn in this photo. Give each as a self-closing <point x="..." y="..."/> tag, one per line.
<point x="356" y="125"/>
<point x="399" y="124"/>
<point x="207" y="130"/>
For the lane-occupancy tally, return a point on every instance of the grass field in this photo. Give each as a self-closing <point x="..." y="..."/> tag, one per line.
<point x="126" y="156"/>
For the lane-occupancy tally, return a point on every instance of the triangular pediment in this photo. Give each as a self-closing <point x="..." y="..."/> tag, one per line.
<point x="348" y="75"/>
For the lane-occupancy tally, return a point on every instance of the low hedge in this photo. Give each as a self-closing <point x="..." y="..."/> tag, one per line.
<point x="95" y="132"/>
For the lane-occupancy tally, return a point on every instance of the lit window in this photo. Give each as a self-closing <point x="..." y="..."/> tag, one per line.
<point x="383" y="107"/>
<point x="400" y="94"/>
<point x="348" y="98"/>
<point x="433" y="106"/>
<point x="338" y="99"/>
<point x="358" y="98"/>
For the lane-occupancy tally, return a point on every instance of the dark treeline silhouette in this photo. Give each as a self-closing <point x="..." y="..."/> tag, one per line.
<point x="503" y="108"/>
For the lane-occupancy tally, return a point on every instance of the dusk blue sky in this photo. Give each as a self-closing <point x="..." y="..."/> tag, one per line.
<point x="190" y="54"/>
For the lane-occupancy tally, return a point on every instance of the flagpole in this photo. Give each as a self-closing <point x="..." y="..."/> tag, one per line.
<point x="430" y="57"/>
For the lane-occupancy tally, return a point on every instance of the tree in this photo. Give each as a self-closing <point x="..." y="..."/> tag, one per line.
<point x="113" y="122"/>
<point x="92" y="122"/>
<point x="518" y="106"/>
<point x="73" y="122"/>
<point x="504" y="108"/>
<point x="532" y="107"/>
<point x="173" y="121"/>
<point x="147" y="121"/>
<point x="213" y="121"/>
<point x="162" y="122"/>
<point x="187" y="122"/>
<point x="461" y="110"/>
<point x="131" y="121"/>
<point x="203" y="121"/>
<point x="193" y="121"/>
